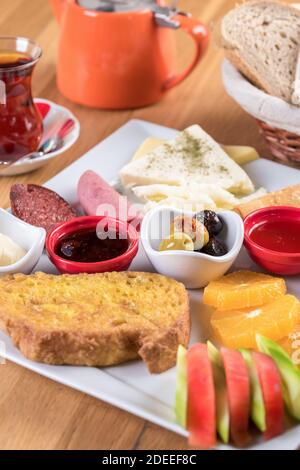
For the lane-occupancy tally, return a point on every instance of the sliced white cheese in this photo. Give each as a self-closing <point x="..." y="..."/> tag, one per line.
<point x="193" y="157"/>
<point x="185" y="205"/>
<point x="222" y="198"/>
<point x="199" y="196"/>
<point x="202" y="193"/>
<point x="158" y="192"/>
<point x="173" y="196"/>
<point x="258" y="193"/>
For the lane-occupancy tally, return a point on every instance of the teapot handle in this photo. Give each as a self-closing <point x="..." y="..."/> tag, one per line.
<point x="200" y="34"/>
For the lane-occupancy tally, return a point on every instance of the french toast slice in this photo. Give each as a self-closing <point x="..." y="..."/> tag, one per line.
<point x="96" y="319"/>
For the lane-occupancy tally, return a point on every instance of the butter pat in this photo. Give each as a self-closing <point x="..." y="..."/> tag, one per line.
<point x="10" y="252"/>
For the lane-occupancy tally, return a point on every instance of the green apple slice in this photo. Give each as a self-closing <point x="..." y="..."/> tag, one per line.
<point x="258" y="412"/>
<point x="223" y="420"/>
<point x="181" y="387"/>
<point x="290" y="374"/>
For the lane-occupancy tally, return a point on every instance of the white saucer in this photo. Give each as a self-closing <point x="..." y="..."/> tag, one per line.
<point x="54" y="118"/>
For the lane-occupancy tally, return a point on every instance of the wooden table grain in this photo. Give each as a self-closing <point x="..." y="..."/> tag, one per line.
<point x="37" y="413"/>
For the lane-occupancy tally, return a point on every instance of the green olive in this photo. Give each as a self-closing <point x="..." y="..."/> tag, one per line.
<point x="177" y="241"/>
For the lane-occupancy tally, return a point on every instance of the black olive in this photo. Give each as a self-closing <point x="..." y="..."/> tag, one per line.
<point x="211" y="220"/>
<point x="214" y="248"/>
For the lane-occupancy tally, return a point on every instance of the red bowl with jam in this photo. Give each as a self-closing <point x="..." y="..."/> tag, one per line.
<point x="272" y="238"/>
<point x="92" y="244"/>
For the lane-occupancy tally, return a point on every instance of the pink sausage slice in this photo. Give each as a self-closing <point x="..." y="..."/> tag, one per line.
<point x="97" y="197"/>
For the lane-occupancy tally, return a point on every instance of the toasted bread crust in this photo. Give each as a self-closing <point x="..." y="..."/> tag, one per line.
<point x="159" y="353"/>
<point x="289" y="196"/>
<point x="155" y="344"/>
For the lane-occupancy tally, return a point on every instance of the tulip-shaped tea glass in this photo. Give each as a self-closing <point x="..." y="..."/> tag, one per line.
<point x="21" y="124"/>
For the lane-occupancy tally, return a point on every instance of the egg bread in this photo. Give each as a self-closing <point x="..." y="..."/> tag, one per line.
<point x="289" y="196"/>
<point x="96" y="319"/>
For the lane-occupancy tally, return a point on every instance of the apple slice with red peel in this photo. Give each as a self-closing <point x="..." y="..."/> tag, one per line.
<point x="201" y="408"/>
<point x="270" y="381"/>
<point x="258" y="412"/>
<point x="238" y="385"/>
<point x="290" y="374"/>
<point x="222" y="406"/>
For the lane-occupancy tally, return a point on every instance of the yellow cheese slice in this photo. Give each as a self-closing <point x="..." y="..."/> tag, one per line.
<point x="239" y="153"/>
<point x="146" y="147"/>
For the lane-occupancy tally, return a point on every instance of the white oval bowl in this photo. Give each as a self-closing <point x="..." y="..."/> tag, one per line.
<point x="193" y="269"/>
<point x="31" y="238"/>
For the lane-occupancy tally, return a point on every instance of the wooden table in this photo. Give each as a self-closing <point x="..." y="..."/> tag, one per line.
<point x="37" y="413"/>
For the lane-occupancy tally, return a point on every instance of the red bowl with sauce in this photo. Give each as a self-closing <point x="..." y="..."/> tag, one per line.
<point x="272" y="238"/>
<point x="75" y="247"/>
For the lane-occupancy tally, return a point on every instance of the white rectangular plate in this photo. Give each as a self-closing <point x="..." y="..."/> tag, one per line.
<point x="130" y="386"/>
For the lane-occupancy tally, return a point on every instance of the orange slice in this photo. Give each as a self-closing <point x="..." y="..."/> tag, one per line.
<point x="243" y="289"/>
<point x="238" y="328"/>
<point x="291" y="343"/>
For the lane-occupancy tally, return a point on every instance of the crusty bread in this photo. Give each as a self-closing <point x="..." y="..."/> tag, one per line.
<point x="262" y="39"/>
<point x="96" y="319"/>
<point x="289" y="196"/>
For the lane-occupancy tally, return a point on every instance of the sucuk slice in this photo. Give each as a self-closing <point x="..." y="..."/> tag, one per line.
<point x="39" y="206"/>
<point x="238" y="385"/>
<point x="201" y="411"/>
<point x="243" y="289"/>
<point x="270" y="381"/>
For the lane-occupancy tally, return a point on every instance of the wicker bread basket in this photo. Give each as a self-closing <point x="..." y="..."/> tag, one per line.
<point x="284" y="145"/>
<point x="279" y="122"/>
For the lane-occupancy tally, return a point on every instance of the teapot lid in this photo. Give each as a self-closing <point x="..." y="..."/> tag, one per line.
<point x="121" y="5"/>
<point x="116" y="5"/>
<point x="163" y="14"/>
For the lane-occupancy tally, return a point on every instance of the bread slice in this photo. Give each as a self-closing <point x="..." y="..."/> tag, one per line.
<point x="96" y="319"/>
<point x="289" y="196"/>
<point x="191" y="158"/>
<point x="262" y="39"/>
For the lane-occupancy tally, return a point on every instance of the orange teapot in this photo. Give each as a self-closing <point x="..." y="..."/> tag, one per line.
<point x="121" y="54"/>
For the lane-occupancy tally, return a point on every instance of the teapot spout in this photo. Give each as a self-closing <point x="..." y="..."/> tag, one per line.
<point x="57" y="7"/>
